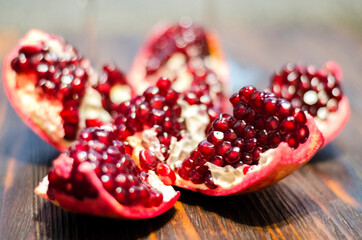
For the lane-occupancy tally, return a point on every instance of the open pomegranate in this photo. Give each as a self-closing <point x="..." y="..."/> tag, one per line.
<point x="316" y="91"/>
<point x="54" y="89"/>
<point x="161" y="139"/>
<point x="187" y="55"/>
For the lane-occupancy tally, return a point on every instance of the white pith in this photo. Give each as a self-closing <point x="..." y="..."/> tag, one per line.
<point x="167" y="191"/>
<point x="120" y="93"/>
<point x="91" y="108"/>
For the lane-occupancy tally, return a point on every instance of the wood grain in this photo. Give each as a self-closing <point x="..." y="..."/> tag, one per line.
<point x="322" y="200"/>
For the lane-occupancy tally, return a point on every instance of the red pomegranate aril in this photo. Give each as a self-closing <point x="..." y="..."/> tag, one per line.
<point x="234" y="99"/>
<point x="257" y="100"/>
<point x="184" y="173"/>
<point x="157" y="102"/>
<point x="218" y="161"/>
<point x="209" y="182"/>
<point x="167" y="175"/>
<point x="199" y="162"/>
<point x="292" y="141"/>
<point x="270" y="105"/>
<point x="215" y="137"/>
<point x="246" y="169"/>
<point x="256" y="154"/>
<point x="206" y="148"/>
<point x="250" y="144"/>
<point x="107" y="183"/>
<point x="93" y="122"/>
<point x="245" y="93"/>
<point x="150" y="93"/>
<point x="247" y="158"/>
<point x="196" y="177"/>
<point x="271" y="123"/>
<point x="249" y="132"/>
<point x="239" y="127"/>
<point x="299" y="116"/>
<point x="171" y="97"/>
<point x="284" y="108"/>
<point x="221" y="124"/>
<point x="262" y="137"/>
<point x="230" y="135"/>
<point x="239" y="142"/>
<point x="222" y="148"/>
<point x="232" y="155"/>
<point x="163" y="84"/>
<point x="240" y="110"/>
<point x="274" y="139"/>
<point x="288" y="124"/>
<point x="302" y="134"/>
<point x="188" y="164"/>
<point x="148" y="160"/>
<point x="155" y="199"/>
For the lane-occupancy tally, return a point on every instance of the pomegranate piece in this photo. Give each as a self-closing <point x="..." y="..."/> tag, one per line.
<point x="190" y="57"/>
<point x="96" y="176"/>
<point x="264" y="140"/>
<point x="50" y="86"/>
<point x="317" y="91"/>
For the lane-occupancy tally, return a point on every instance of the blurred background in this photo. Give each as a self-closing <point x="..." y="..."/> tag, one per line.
<point x="98" y="24"/>
<point x="257" y="36"/>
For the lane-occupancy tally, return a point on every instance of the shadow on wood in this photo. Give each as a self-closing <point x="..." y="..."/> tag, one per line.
<point x="53" y="222"/>
<point x="263" y="208"/>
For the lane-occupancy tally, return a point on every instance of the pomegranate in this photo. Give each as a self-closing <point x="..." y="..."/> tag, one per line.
<point x="96" y="176"/>
<point x="317" y="91"/>
<point x="187" y="55"/>
<point x="159" y="139"/>
<point x="50" y="86"/>
<point x="264" y="140"/>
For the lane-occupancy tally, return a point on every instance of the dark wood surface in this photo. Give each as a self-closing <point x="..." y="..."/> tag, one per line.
<point x="322" y="200"/>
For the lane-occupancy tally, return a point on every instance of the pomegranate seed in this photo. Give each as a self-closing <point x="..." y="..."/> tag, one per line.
<point x="215" y="137"/>
<point x="167" y="175"/>
<point x="206" y="148"/>
<point x="147" y="159"/>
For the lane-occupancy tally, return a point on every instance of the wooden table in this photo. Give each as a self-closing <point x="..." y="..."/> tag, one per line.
<point x="322" y="200"/>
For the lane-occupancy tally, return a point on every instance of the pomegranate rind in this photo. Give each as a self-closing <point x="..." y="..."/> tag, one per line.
<point x="336" y="121"/>
<point x="104" y="205"/>
<point x="33" y="37"/>
<point x="284" y="161"/>
<point x="137" y="74"/>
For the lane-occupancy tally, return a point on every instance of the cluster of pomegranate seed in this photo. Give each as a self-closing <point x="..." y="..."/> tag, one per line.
<point x="315" y="91"/>
<point x="260" y="121"/>
<point x="117" y="171"/>
<point x="205" y="88"/>
<point x="57" y="77"/>
<point x="185" y="37"/>
<point x="110" y="77"/>
<point x="157" y="108"/>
